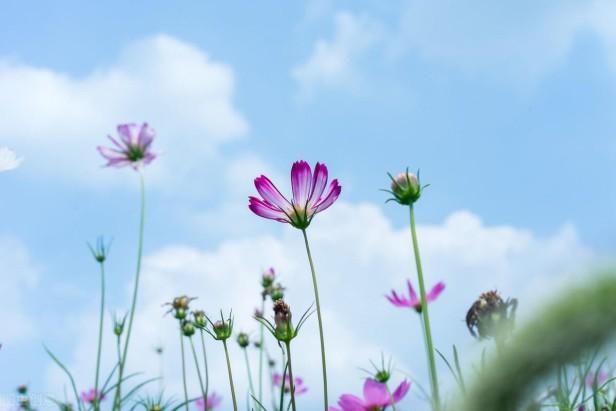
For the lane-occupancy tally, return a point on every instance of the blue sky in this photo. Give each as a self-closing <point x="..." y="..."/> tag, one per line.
<point x="507" y="110"/>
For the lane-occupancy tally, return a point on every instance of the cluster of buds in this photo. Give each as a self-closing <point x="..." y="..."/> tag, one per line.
<point x="405" y="188"/>
<point x="490" y="315"/>
<point x="180" y="306"/>
<point x="270" y="288"/>
<point x="282" y="329"/>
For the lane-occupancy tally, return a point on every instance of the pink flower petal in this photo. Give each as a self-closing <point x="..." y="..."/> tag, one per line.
<point x="401" y="391"/>
<point x="146" y="136"/>
<point x="301" y="181"/>
<point x="129" y="133"/>
<point x="435" y="292"/>
<point x="270" y="193"/>
<point x="265" y="210"/>
<point x="319" y="181"/>
<point x="350" y="402"/>
<point x="412" y="293"/>
<point x="332" y="195"/>
<point x="375" y="393"/>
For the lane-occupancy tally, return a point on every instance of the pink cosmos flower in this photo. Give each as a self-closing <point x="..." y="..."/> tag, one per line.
<point x="213" y="401"/>
<point x="375" y="397"/>
<point x="601" y="376"/>
<point x="132" y="148"/>
<point x="300" y="388"/>
<point x="311" y="195"/>
<point x="92" y="396"/>
<point x="413" y="301"/>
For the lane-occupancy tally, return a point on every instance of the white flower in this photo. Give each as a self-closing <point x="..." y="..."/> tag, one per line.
<point x="8" y="159"/>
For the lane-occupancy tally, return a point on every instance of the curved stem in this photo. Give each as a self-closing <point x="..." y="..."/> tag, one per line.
<point x="261" y="350"/>
<point x="320" y="321"/>
<point x="184" y="369"/>
<point x="224" y="343"/>
<point x="100" y="337"/>
<point x="207" y="376"/>
<point x="425" y="316"/>
<point x="291" y="380"/>
<point x="135" y="289"/>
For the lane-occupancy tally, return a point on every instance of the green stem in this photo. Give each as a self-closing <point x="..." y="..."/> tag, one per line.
<point x="391" y="397"/>
<point x="291" y="380"/>
<point x="320" y="321"/>
<point x="100" y="337"/>
<point x="285" y="364"/>
<point x="224" y="343"/>
<point x="207" y="375"/>
<point x="192" y="346"/>
<point x="135" y="289"/>
<point x="425" y="316"/>
<point x="183" y="369"/>
<point x="249" y="372"/>
<point x="261" y="350"/>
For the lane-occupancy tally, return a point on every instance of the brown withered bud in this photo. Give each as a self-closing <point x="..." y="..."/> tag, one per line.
<point x="490" y="314"/>
<point x="282" y="313"/>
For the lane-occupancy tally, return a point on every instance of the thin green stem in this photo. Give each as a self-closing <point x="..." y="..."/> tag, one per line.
<point x="425" y="316"/>
<point x="100" y="337"/>
<point x="117" y="400"/>
<point x="320" y="321"/>
<point x="249" y="372"/>
<point x="207" y="375"/>
<point x="194" y="352"/>
<point x="224" y="343"/>
<point x="261" y="350"/>
<point x="135" y="289"/>
<point x="285" y="364"/>
<point x="291" y="380"/>
<point x="391" y="398"/>
<point x="183" y="369"/>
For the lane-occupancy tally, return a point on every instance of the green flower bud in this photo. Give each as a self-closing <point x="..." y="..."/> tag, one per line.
<point x="243" y="340"/>
<point x="268" y="277"/>
<point x="406" y="188"/>
<point x="277" y="292"/>
<point x="188" y="328"/>
<point x="222" y="330"/>
<point x="282" y="319"/>
<point x="200" y="319"/>
<point x="180" y="313"/>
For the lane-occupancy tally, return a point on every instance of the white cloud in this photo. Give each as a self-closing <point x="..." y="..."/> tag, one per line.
<point x="57" y="119"/>
<point x="332" y="63"/>
<point x="19" y="274"/>
<point x="359" y="256"/>
<point x="8" y="159"/>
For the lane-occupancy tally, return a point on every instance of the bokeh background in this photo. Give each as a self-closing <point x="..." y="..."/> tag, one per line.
<point x="507" y="109"/>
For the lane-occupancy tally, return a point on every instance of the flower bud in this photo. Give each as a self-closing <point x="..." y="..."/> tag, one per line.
<point x="268" y="277"/>
<point x="282" y="319"/>
<point x="118" y="324"/>
<point x="222" y="329"/>
<point x="199" y="319"/>
<point x="188" y="328"/>
<point x="258" y="313"/>
<point x="180" y="313"/>
<point x="277" y="292"/>
<point x="100" y="250"/>
<point x="382" y="376"/>
<point x="22" y="389"/>
<point x="243" y="340"/>
<point x="406" y="188"/>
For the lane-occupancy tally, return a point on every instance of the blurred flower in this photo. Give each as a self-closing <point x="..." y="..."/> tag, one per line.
<point x="8" y="159"/>
<point x="405" y="188"/>
<point x="298" y="382"/>
<point x="188" y="328"/>
<point x="490" y="314"/>
<point x="118" y="324"/>
<point x="92" y="396"/>
<point x="600" y="376"/>
<point x="200" y="319"/>
<point x="413" y="300"/>
<point x="132" y="148"/>
<point x="213" y="401"/>
<point x="22" y="389"/>
<point x="180" y="306"/>
<point x="309" y="196"/>
<point x="376" y="397"/>
<point x="243" y="340"/>
<point x="268" y="277"/>
<point x="100" y="250"/>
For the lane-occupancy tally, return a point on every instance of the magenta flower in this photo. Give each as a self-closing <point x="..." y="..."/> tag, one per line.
<point x="300" y="388"/>
<point x="213" y="401"/>
<point x="132" y="148"/>
<point x="413" y="301"/>
<point x="92" y="396"/>
<point x="376" y="397"/>
<point x="310" y="196"/>
<point x="601" y="376"/>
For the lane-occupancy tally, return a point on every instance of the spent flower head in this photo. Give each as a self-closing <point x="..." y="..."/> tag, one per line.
<point x="311" y="195"/>
<point x="490" y="315"/>
<point x="282" y="329"/>
<point x="180" y="306"/>
<point x="132" y="148"/>
<point x="405" y="188"/>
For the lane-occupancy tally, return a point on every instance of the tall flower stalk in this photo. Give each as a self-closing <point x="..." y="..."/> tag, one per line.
<point x="406" y="190"/>
<point x="183" y="368"/>
<point x="99" y="252"/>
<point x="133" y="149"/>
<point x="221" y="331"/>
<point x="311" y="195"/>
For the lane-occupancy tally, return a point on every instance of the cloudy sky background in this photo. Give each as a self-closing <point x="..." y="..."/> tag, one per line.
<point x="507" y="109"/>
